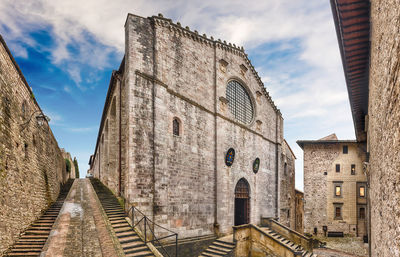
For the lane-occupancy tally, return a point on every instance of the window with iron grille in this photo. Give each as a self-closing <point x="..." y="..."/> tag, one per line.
<point x="338" y="212"/>
<point x="361" y="214"/>
<point x="239" y="102"/>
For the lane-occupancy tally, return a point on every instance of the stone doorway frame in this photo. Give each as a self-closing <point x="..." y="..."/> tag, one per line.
<point x="242" y="201"/>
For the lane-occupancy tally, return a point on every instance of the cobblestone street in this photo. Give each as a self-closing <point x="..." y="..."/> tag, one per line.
<point x="343" y="247"/>
<point x="80" y="229"/>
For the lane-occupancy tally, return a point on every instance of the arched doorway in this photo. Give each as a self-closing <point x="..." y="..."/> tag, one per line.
<point x="242" y="202"/>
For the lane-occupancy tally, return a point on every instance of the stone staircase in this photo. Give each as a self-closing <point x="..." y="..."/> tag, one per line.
<point x="220" y="247"/>
<point x="297" y="249"/>
<point x="130" y="241"/>
<point x="33" y="239"/>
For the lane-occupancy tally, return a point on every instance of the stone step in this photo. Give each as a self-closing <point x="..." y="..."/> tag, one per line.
<point x="222" y="245"/>
<point x="122" y="226"/>
<point x="131" y="245"/>
<point x="209" y="255"/>
<point x="140" y="254"/>
<point x="29" y="250"/>
<point x="219" y="249"/>
<point x="37" y="232"/>
<point x="25" y="246"/>
<point x="26" y="254"/>
<point x="130" y="240"/>
<point x="125" y="234"/>
<point x="34" y="237"/>
<point x="216" y="252"/>
<point x="123" y="229"/>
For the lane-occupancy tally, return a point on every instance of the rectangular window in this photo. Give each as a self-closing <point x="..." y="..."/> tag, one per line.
<point x="338" y="190"/>
<point x="362" y="191"/>
<point x="338" y="212"/>
<point x="361" y="214"/>
<point x="337" y="167"/>
<point x="345" y="149"/>
<point x="353" y="169"/>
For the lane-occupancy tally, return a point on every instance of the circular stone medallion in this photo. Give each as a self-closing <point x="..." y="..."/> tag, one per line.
<point x="256" y="165"/>
<point x="230" y="157"/>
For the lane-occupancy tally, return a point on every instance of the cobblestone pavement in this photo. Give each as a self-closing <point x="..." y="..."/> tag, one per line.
<point x="80" y="229"/>
<point x="342" y="247"/>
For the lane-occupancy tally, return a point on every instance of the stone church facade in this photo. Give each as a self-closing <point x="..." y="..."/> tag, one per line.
<point x="189" y="135"/>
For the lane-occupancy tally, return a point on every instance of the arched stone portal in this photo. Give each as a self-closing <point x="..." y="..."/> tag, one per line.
<point x="242" y="202"/>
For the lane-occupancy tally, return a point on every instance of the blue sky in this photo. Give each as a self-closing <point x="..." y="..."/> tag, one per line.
<point x="67" y="50"/>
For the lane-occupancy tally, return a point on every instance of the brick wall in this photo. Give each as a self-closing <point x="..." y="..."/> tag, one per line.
<point x="383" y="129"/>
<point x="31" y="163"/>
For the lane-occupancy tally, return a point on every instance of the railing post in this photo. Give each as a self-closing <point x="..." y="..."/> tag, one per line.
<point x="176" y="245"/>
<point x="133" y="216"/>
<point x="145" y="233"/>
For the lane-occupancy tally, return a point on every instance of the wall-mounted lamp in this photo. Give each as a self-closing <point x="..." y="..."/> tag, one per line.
<point x="40" y="119"/>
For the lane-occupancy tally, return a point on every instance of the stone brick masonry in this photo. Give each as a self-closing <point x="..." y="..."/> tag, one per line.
<point x="287" y="211"/>
<point x="384" y="128"/>
<point x="31" y="164"/>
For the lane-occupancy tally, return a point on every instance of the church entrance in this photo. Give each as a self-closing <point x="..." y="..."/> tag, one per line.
<point x="242" y="202"/>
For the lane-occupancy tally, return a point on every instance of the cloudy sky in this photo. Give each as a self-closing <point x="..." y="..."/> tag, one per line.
<point x="67" y="50"/>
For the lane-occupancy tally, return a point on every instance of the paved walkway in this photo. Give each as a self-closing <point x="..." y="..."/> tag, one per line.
<point x="80" y="229"/>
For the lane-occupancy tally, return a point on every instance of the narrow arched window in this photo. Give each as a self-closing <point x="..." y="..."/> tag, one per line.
<point x="24" y="109"/>
<point x="175" y="127"/>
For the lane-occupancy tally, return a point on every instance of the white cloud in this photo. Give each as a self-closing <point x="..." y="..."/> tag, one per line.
<point x="67" y="89"/>
<point x="81" y="130"/>
<point x="309" y="89"/>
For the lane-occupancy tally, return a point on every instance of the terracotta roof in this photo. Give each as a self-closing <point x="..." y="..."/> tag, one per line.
<point x="352" y="22"/>
<point x="330" y="137"/>
<point x="301" y="143"/>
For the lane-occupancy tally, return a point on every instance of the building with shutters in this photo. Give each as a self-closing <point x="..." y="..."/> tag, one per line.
<point x="335" y="187"/>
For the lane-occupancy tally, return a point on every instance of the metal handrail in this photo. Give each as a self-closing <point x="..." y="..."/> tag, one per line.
<point x="146" y="222"/>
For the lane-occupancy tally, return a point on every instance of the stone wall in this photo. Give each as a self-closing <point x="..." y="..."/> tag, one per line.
<point x="67" y="155"/>
<point x="317" y="160"/>
<point x="299" y="210"/>
<point x="383" y="129"/>
<point x="287" y="212"/>
<point x="31" y="164"/>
